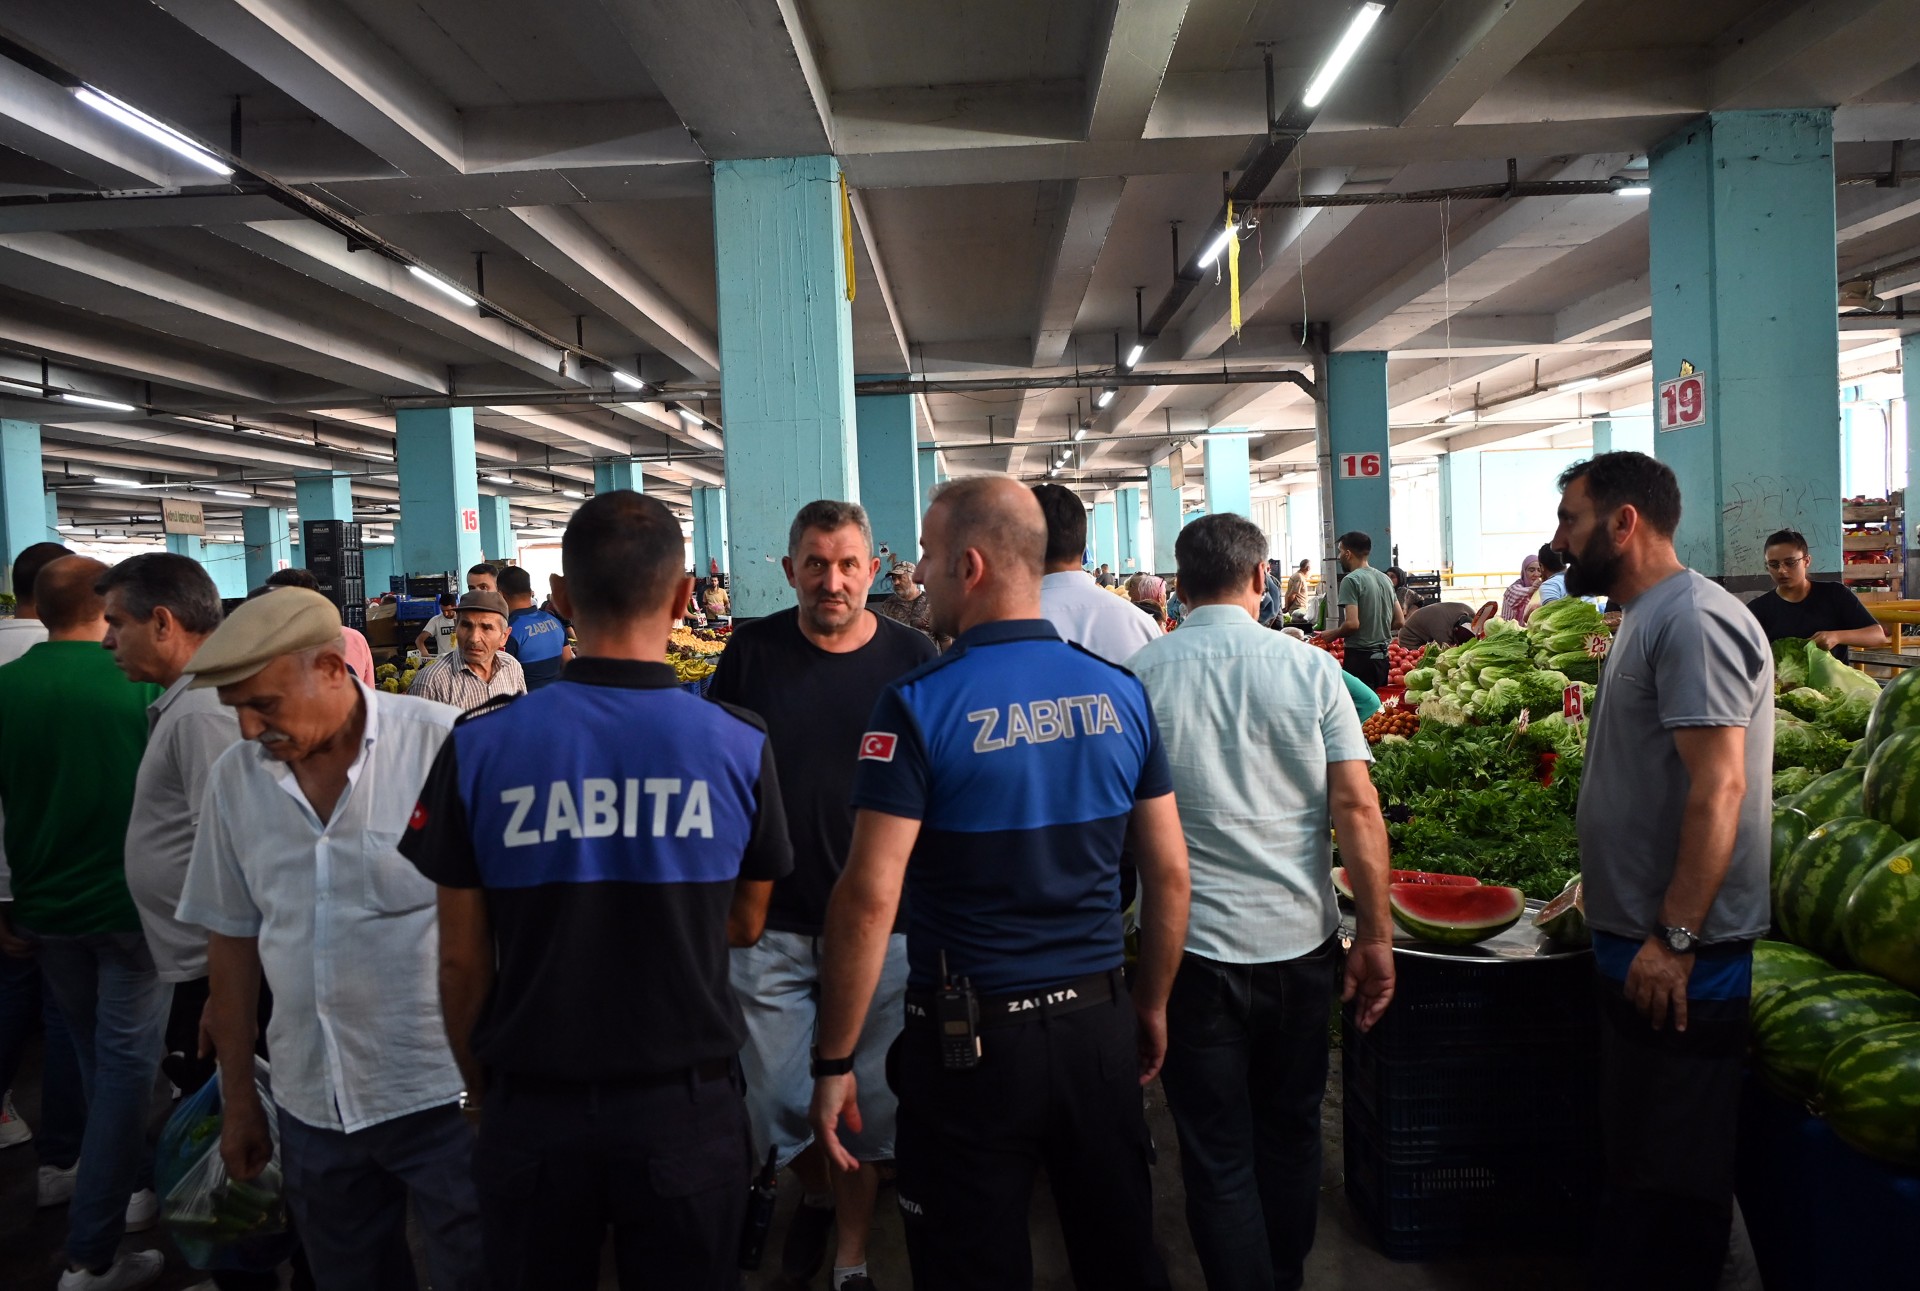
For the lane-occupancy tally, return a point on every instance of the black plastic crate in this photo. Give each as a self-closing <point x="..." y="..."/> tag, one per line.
<point x="328" y="536"/>
<point x="431" y="586"/>
<point x="1471" y="1099"/>
<point x="355" y="615"/>
<point x="336" y="564"/>
<point x="1459" y="1003"/>
<point x="343" y="591"/>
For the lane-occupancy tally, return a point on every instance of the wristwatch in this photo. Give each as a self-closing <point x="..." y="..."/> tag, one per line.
<point x="831" y="1066"/>
<point x="1680" y="941"/>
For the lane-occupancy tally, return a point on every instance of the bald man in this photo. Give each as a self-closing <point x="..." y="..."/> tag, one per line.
<point x="996" y="787"/>
<point x="72" y="729"/>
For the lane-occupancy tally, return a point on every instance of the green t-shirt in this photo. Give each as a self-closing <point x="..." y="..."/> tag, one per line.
<point x="1372" y="591"/>
<point x="72" y="729"/>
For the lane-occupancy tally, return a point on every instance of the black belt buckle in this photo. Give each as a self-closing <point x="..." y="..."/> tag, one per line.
<point x="956" y="1012"/>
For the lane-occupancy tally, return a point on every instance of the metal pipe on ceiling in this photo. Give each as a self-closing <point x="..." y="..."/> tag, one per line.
<point x="1084" y="381"/>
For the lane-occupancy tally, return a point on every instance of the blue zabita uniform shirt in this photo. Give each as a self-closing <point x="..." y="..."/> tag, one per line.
<point x="1022" y="757"/>
<point x="536" y="638"/>
<point x="607" y="818"/>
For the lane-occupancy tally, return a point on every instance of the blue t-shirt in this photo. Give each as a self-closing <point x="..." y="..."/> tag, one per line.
<point x="1022" y="757"/>
<point x="536" y="638"/>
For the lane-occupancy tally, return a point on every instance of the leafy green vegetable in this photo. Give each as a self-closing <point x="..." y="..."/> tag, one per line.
<point x="1834" y="679"/>
<point x="1805" y="703"/>
<point x="1802" y="744"/>
<point x="1790" y="663"/>
<point x="1793" y="780"/>
<point x="1848" y="716"/>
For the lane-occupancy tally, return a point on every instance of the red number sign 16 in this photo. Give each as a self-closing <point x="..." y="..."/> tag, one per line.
<point x="1360" y="466"/>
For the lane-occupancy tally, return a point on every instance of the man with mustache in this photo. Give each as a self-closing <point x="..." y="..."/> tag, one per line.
<point x="813" y="674"/>
<point x="1675" y="829"/>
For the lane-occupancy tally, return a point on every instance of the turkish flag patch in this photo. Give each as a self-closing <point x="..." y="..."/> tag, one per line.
<point x="877" y="746"/>
<point x="419" y="818"/>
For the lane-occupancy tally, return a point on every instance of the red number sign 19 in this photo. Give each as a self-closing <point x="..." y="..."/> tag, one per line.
<point x="1359" y="466"/>
<point x="1681" y="402"/>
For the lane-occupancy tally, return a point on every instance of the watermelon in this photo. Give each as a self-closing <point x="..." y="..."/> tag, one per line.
<point x="1882" y="923"/>
<point x="1565" y="917"/>
<point x="1891" y="793"/>
<point x="1345" y="887"/>
<point x="1837" y="793"/>
<point x="1778" y="965"/>
<point x="1805" y="1022"/>
<point x="1790" y="829"/>
<point x="1870" y="1092"/>
<point x="1820" y="877"/>
<point x="1897" y="709"/>
<point x="1453" y="915"/>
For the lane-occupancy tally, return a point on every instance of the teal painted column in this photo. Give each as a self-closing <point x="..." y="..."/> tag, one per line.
<point x="786" y="359"/>
<point x="709" y="530"/>
<point x="618" y="473"/>
<point x="439" y="491"/>
<point x="1103" y="535"/>
<point x="227" y="564"/>
<point x="378" y="563"/>
<point x="496" y="528"/>
<point x="190" y="545"/>
<point x="1602" y="435"/>
<point x="1741" y="231"/>
<point x="931" y="478"/>
<point x="53" y="519"/>
<point x="1460" y="504"/>
<point x="889" y="439"/>
<point x="267" y="546"/>
<point x="1126" y="534"/>
<point x="320" y="496"/>
<point x="23" y="491"/>
<point x="1357" y="429"/>
<point x="1164" y="500"/>
<point x="1229" y="475"/>
<point x="1191" y="516"/>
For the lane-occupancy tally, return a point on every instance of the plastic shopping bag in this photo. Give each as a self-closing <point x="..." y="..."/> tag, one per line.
<point x="220" y="1222"/>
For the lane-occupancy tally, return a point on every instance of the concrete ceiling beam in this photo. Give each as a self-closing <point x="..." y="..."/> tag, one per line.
<point x="106" y="347"/>
<point x="1464" y="50"/>
<point x="45" y="121"/>
<point x="1805" y="55"/>
<point x="159" y="212"/>
<point x="1131" y="65"/>
<point x="1086" y="217"/>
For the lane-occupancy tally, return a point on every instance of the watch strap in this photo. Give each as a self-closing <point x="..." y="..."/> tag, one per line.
<point x="831" y="1066"/>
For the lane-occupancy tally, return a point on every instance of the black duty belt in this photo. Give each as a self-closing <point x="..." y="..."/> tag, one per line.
<point x="1028" y="1006"/>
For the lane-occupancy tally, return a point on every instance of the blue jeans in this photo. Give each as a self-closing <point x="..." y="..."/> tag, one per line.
<point x="1245" y="1074"/>
<point x="348" y="1197"/>
<point x="106" y="985"/>
<point x="63" y="1108"/>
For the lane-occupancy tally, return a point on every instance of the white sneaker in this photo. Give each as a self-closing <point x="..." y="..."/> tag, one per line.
<point x="134" y="1269"/>
<point x="56" y="1185"/>
<point x="143" y="1210"/>
<point x="13" y="1130"/>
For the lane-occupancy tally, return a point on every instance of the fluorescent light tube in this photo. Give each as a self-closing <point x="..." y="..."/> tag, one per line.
<point x="112" y="405"/>
<point x="496" y="479"/>
<point x="628" y="380"/>
<point x="1350" y="41"/>
<point x="115" y="479"/>
<point x="158" y="131"/>
<point x="1105" y="397"/>
<point x="440" y="285"/>
<point x="573" y="493"/>
<point x="1080" y="432"/>
<point x="1584" y="383"/>
<point x="1465" y="414"/>
<point x="38" y="392"/>
<point x="1633" y="190"/>
<point x="229" y="493"/>
<point x="1218" y="245"/>
<point x="689" y="416"/>
<point x="1134" y="354"/>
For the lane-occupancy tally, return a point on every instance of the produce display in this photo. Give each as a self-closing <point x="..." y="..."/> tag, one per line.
<point x="1392" y="719"/>
<point x="1870" y="1092"/>
<point x="1455" y="915"/>
<point x="1344" y="886"/>
<point x="394" y="679"/>
<point x="1565" y="917"/>
<point x="693" y="651"/>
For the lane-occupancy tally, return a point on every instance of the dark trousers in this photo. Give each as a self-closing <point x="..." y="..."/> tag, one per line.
<point x="1370" y="668"/>
<point x="665" y="1165"/>
<point x="1669" y="1110"/>
<point x="1061" y="1092"/>
<point x="1246" y="1069"/>
<point x="348" y="1194"/>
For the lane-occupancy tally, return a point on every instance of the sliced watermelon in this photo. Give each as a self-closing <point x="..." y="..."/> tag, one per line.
<point x="1565" y="917"/>
<point x="1453" y="915"/>
<point x="1344" y="887"/>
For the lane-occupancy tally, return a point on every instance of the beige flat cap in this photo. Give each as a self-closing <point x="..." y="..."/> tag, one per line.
<point x="284" y="621"/>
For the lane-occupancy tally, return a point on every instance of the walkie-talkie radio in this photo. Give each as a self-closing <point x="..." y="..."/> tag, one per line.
<point x="956" y="1010"/>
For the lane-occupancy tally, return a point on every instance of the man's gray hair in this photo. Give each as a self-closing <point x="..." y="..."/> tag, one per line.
<point x="157" y="578"/>
<point x="828" y="516"/>
<point x="1217" y="555"/>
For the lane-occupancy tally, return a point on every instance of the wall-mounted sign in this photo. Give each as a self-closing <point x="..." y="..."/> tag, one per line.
<point x="1358" y="466"/>
<point x="182" y="515"/>
<point x="470" y="520"/>
<point x="1681" y="402"/>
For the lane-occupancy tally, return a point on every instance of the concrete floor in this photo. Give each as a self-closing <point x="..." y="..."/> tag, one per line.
<point x="1343" y="1256"/>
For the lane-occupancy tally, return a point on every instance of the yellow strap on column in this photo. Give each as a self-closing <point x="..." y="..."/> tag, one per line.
<point x="846" y="230"/>
<point x="1233" y="271"/>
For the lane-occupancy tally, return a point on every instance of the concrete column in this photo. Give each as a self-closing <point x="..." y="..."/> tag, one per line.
<point x="1191" y="516"/>
<point x="1910" y="378"/>
<point x="439" y="490"/>
<point x="1229" y="475"/>
<point x="1602" y="435"/>
<point x="1741" y="229"/>
<point x="1126" y="516"/>
<point x="53" y="518"/>
<point x="496" y="528"/>
<point x="786" y="358"/>
<point x="24" y="517"/>
<point x="889" y="439"/>
<point x="190" y="545"/>
<point x="709" y="530"/>
<point x="319" y="496"/>
<point x="378" y="565"/>
<point x="931" y="478"/>
<point x="1460" y="509"/>
<point x="1165" y="501"/>
<point x="1100" y="532"/>
<point x="1357" y="429"/>
<point x="226" y="563"/>
<point x="267" y="546"/>
<point x="617" y="473"/>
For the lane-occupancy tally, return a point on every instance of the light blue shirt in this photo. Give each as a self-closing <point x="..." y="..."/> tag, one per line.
<point x="1554" y="589"/>
<point x="348" y="931"/>
<point x="1251" y="718"/>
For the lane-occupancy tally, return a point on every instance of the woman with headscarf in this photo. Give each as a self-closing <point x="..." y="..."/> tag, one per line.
<point x="1148" y="592"/>
<point x="1520" y="590"/>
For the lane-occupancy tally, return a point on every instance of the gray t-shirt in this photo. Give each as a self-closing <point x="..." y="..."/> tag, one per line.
<point x="1372" y="591"/>
<point x="1687" y="654"/>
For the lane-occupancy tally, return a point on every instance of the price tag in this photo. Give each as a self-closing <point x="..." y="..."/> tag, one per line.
<point x="1359" y="466"/>
<point x="470" y="520"/>
<point x="1573" y="705"/>
<point x="1681" y="402"/>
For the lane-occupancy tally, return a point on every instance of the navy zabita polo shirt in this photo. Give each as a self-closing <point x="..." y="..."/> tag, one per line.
<point x="1022" y="757"/>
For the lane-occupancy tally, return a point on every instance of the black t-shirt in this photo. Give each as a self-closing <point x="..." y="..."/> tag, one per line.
<point x="607" y="817"/>
<point x="815" y="705"/>
<point x="1827" y="607"/>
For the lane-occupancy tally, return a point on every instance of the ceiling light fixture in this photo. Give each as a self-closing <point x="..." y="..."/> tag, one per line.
<point x="1465" y="414"/>
<point x="117" y="480"/>
<point x="1219" y="244"/>
<point x="112" y="405"/>
<point x="229" y="493"/>
<point x="1350" y="41"/>
<point x="441" y="285"/>
<point x="1080" y="432"/>
<point x="1633" y="190"/>
<point x="158" y="131"/>
<point x="1105" y="397"/>
<point x="573" y="493"/>
<point x="38" y="392"/>
<point x="1568" y="387"/>
<point x="689" y="416"/>
<point x="628" y="380"/>
<point x="496" y="479"/>
<point x="1134" y="355"/>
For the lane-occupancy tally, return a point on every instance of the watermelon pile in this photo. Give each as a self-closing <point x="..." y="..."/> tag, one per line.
<point x="1836" y="1002"/>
